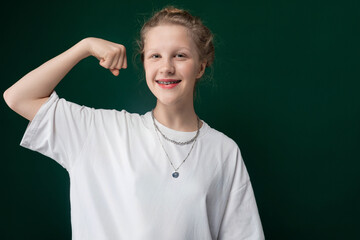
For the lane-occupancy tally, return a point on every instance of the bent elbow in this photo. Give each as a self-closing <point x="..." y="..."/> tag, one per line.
<point x="9" y="101"/>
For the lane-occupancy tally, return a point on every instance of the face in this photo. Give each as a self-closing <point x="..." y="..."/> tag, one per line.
<point x="171" y="64"/>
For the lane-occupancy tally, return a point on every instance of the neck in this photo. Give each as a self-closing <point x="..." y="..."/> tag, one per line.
<point x="179" y="118"/>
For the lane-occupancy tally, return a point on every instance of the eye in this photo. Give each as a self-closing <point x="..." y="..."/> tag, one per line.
<point x="180" y="55"/>
<point x="155" y="56"/>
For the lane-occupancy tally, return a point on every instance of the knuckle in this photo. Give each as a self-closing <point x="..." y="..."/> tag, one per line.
<point x="122" y="47"/>
<point x="111" y="55"/>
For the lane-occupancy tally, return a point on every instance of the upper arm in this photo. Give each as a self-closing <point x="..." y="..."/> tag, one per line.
<point x="30" y="109"/>
<point x="26" y="109"/>
<point x="59" y="129"/>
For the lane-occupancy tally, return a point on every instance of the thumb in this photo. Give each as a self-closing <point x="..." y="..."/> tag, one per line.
<point x="115" y="72"/>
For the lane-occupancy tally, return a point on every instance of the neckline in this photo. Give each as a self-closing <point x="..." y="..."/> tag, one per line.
<point x="173" y="134"/>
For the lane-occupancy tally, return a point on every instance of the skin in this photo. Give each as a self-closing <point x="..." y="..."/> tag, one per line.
<point x="28" y="94"/>
<point x="169" y="53"/>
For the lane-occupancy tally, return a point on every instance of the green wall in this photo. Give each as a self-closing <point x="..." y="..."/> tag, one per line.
<point x="285" y="86"/>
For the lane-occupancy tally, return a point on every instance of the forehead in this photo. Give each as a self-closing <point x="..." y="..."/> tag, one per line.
<point x="168" y="36"/>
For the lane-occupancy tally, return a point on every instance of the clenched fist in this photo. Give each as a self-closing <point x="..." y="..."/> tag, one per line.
<point x="111" y="55"/>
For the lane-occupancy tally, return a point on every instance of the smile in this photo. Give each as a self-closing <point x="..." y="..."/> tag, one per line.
<point x="168" y="82"/>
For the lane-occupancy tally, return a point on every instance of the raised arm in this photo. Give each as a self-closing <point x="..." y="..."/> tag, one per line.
<point x="27" y="95"/>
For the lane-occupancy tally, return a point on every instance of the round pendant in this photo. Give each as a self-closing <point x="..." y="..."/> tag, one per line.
<point x="175" y="174"/>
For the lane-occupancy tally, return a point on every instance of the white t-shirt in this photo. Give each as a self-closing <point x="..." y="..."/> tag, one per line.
<point x="121" y="184"/>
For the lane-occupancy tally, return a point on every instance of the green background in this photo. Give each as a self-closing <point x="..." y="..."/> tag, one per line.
<point x="285" y="86"/>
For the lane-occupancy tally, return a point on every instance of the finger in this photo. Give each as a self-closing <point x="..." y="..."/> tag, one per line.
<point x="125" y="62"/>
<point x="104" y="63"/>
<point x="115" y="72"/>
<point x="111" y="58"/>
<point x="115" y="61"/>
<point x="120" y="61"/>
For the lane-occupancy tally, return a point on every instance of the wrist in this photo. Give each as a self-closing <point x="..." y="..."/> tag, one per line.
<point x="83" y="48"/>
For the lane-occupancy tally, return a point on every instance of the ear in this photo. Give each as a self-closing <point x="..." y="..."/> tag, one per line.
<point x="201" y="70"/>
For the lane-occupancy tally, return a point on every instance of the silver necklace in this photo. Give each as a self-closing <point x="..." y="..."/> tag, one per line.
<point x="175" y="142"/>
<point x="175" y="174"/>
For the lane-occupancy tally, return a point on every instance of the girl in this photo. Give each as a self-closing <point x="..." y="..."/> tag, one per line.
<point x="162" y="175"/>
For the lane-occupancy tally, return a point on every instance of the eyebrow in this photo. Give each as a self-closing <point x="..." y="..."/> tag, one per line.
<point x="178" y="49"/>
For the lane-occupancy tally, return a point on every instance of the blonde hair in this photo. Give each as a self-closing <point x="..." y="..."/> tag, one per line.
<point x="201" y="35"/>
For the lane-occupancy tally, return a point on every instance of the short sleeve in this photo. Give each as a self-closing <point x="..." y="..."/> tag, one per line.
<point x="241" y="219"/>
<point x="59" y="130"/>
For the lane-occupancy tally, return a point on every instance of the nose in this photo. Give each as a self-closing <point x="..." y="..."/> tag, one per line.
<point x="167" y="67"/>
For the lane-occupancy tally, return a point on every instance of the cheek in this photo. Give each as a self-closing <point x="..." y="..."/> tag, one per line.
<point x="148" y="71"/>
<point x="149" y="68"/>
<point x="189" y="70"/>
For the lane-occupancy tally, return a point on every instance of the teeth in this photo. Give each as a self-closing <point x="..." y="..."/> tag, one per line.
<point x="167" y="83"/>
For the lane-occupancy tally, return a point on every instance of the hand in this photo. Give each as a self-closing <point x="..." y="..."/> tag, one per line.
<point x="111" y="55"/>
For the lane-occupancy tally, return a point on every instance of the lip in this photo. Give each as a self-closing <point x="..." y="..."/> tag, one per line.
<point x="167" y="80"/>
<point x="167" y="86"/>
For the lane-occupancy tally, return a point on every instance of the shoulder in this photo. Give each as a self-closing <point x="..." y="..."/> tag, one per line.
<point x="221" y="147"/>
<point x="219" y="139"/>
<point x="97" y="117"/>
<point x="113" y="116"/>
<point x="227" y="154"/>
